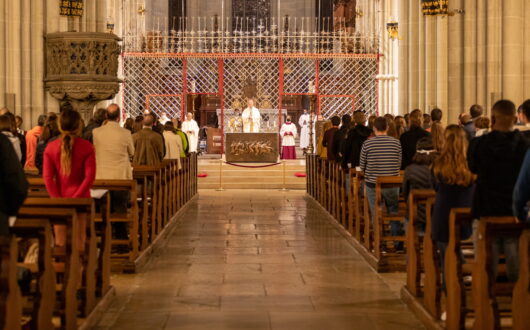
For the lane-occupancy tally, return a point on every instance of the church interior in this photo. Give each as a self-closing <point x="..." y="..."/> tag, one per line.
<point x="264" y="164"/>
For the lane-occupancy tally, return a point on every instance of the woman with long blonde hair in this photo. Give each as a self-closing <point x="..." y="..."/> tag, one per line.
<point x="69" y="169"/>
<point x="454" y="185"/>
<point x="437" y="133"/>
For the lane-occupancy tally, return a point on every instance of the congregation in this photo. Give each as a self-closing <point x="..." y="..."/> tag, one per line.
<point x="477" y="163"/>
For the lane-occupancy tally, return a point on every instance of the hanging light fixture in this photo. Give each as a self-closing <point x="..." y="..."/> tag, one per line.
<point x="434" y="7"/>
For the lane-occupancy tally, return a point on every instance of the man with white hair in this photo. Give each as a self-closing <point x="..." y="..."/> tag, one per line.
<point x="251" y="118"/>
<point x="190" y="127"/>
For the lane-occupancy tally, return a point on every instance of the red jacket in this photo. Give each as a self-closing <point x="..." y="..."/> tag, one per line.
<point x="32" y="137"/>
<point x="82" y="175"/>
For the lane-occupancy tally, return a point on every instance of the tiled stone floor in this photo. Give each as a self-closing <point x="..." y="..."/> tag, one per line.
<point x="256" y="260"/>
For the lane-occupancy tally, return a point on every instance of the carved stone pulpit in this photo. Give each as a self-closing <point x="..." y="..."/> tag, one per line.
<point x="82" y="68"/>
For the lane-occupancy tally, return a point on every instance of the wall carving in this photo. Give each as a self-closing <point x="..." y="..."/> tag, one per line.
<point x="82" y="68"/>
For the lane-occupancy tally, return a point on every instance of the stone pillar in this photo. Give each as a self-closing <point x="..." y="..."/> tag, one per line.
<point x="512" y="50"/>
<point x="493" y="51"/>
<point x="430" y="63"/>
<point x="403" y="74"/>
<point x="455" y="64"/>
<point x="481" y="53"/>
<point x="414" y="16"/>
<point x="3" y="50"/>
<point x="26" y="99"/>
<point x="526" y="61"/>
<point x="421" y="60"/>
<point x="14" y="56"/>
<point x="442" y="70"/>
<point x="470" y="52"/>
<point x="37" y="64"/>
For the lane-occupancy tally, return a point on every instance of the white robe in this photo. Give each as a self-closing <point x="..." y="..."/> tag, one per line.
<point x="191" y="129"/>
<point x="288" y="140"/>
<point x="251" y="120"/>
<point x="163" y="120"/>
<point x="304" y="130"/>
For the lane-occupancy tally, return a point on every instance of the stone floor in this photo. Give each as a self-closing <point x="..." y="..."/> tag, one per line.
<point x="256" y="260"/>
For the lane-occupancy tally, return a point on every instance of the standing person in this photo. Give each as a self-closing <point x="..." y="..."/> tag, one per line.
<point x="13" y="184"/>
<point x="251" y="118"/>
<point x="327" y="140"/>
<point x="97" y="120"/>
<point x="418" y="176"/>
<point x="6" y="128"/>
<point x="163" y="119"/>
<point x="322" y="151"/>
<point x="49" y="133"/>
<point x="148" y="144"/>
<point x="185" y="142"/>
<point x="128" y="125"/>
<point x="401" y="125"/>
<point x="19" y="121"/>
<point x="32" y="138"/>
<point x="410" y="138"/>
<point x="454" y="185"/>
<point x="138" y="124"/>
<point x="523" y="114"/>
<point x="355" y="141"/>
<point x="190" y="127"/>
<point x="496" y="159"/>
<point x="288" y="133"/>
<point x="381" y="156"/>
<point x="114" y="149"/>
<point x="340" y="137"/>
<point x="427" y="122"/>
<point x="468" y="125"/>
<point x="482" y="126"/>
<point x="303" y="121"/>
<point x="173" y="143"/>
<point x="476" y="111"/>
<point x="521" y="192"/>
<point x="69" y="170"/>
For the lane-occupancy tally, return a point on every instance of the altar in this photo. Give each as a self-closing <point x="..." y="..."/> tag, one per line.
<point x="252" y="147"/>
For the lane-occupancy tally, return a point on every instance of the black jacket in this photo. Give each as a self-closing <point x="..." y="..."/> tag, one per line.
<point x="351" y="148"/>
<point x="87" y="132"/>
<point x="339" y="138"/>
<point x="417" y="177"/>
<point x="13" y="184"/>
<point x="496" y="158"/>
<point x="470" y="130"/>
<point x="408" y="144"/>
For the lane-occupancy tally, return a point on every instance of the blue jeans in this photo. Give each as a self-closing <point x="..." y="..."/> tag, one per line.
<point x="507" y="245"/>
<point x="391" y="199"/>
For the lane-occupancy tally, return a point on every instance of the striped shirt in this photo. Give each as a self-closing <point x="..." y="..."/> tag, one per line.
<point x="380" y="156"/>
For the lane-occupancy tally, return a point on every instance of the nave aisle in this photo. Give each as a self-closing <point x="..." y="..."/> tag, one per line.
<point x="256" y="260"/>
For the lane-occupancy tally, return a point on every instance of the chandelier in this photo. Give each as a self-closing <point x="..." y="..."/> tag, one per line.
<point x="434" y="7"/>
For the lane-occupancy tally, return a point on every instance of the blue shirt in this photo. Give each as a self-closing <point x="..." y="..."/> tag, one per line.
<point x="521" y="192"/>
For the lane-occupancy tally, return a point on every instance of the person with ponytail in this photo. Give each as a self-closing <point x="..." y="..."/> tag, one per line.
<point x="69" y="168"/>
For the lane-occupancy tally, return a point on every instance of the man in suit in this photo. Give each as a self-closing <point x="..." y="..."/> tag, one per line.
<point x="148" y="144"/>
<point x="114" y="149"/>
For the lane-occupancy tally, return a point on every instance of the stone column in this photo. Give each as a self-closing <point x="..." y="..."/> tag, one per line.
<point x="430" y="63"/>
<point x="3" y="50"/>
<point x="481" y="53"/>
<point x="14" y="56"/>
<point x="414" y="16"/>
<point x="26" y="62"/>
<point x="421" y="59"/>
<point x="455" y="64"/>
<point x="493" y="52"/>
<point x="512" y="50"/>
<point x="526" y="61"/>
<point x="470" y="52"/>
<point x="403" y="76"/>
<point x="37" y="63"/>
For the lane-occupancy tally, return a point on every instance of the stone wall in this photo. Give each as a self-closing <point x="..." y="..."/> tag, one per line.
<point x="476" y="56"/>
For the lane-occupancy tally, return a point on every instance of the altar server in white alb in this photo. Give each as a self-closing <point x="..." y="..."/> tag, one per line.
<point x="288" y="133"/>
<point x="304" y="120"/>
<point x="251" y="118"/>
<point x="190" y="127"/>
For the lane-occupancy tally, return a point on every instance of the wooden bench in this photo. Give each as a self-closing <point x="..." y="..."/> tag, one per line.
<point x="521" y="291"/>
<point x="148" y="178"/>
<point x="10" y="300"/>
<point x="67" y="259"/>
<point x="42" y="302"/>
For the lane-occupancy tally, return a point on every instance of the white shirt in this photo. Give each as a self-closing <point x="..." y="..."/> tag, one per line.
<point x="288" y="140"/>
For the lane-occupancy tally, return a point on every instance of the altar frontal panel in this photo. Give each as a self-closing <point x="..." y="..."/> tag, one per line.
<point x="251" y="147"/>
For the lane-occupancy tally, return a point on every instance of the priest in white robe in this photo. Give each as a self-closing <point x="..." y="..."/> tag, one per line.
<point x="190" y="127"/>
<point x="288" y="134"/>
<point x="304" y="123"/>
<point x="251" y="118"/>
<point x="164" y="118"/>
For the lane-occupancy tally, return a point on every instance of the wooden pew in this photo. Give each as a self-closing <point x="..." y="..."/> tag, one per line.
<point x="414" y="245"/>
<point x="360" y="206"/>
<point x="148" y="177"/>
<point x="390" y="261"/>
<point x="10" y="300"/>
<point x="89" y="259"/>
<point x="43" y="300"/>
<point x="485" y="288"/>
<point x="69" y="256"/>
<point x="521" y="291"/>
